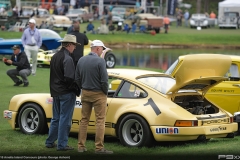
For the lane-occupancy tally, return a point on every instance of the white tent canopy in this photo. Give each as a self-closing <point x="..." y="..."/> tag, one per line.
<point x="228" y="6"/>
<point x="229" y="3"/>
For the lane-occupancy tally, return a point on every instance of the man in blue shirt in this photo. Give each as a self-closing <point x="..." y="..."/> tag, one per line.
<point x="32" y="41"/>
<point x="186" y="17"/>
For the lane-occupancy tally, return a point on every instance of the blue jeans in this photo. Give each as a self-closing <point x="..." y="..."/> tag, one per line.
<point x="61" y="122"/>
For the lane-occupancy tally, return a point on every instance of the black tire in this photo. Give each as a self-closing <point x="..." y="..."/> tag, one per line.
<point x="134" y="131"/>
<point x="32" y="120"/>
<point x="43" y="47"/>
<point x="110" y="60"/>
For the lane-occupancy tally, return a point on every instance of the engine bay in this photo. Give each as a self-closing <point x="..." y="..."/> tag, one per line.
<point x="196" y="105"/>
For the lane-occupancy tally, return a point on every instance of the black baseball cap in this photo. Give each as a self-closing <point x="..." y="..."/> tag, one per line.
<point x="16" y="47"/>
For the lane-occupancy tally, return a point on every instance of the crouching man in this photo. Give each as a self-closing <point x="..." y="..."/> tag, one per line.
<point x="20" y="60"/>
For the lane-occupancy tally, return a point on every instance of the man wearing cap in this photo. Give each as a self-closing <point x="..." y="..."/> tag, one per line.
<point x="20" y="60"/>
<point x="32" y="41"/>
<point x="64" y="91"/>
<point x="91" y="76"/>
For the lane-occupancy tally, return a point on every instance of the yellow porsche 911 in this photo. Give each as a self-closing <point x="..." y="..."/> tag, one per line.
<point x="144" y="106"/>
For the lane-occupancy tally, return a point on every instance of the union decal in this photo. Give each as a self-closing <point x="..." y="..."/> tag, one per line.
<point x="167" y="131"/>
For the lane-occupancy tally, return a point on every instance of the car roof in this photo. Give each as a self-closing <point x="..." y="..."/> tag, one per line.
<point x="130" y="73"/>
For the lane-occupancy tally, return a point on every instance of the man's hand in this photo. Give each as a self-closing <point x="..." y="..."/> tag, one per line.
<point x="7" y="60"/>
<point x="4" y="59"/>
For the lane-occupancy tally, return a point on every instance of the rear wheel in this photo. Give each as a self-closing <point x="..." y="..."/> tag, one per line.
<point x="110" y="60"/>
<point x="134" y="131"/>
<point x="31" y="119"/>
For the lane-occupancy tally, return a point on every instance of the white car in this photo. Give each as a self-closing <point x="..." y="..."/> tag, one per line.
<point x="199" y="20"/>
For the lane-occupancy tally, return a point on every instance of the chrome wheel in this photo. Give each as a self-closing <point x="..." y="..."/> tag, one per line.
<point x="134" y="131"/>
<point x="110" y="60"/>
<point x="32" y="119"/>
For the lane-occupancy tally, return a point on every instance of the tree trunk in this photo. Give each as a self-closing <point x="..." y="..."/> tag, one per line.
<point x="198" y="6"/>
<point x="206" y="6"/>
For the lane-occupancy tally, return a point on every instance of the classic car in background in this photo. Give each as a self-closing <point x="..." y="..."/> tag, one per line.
<point x="144" y="106"/>
<point x="201" y="20"/>
<point x="59" y="21"/>
<point x="229" y="20"/>
<point x="225" y="94"/>
<point x="49" y="41"/>
<point x="79" y="14"/>
<point x="44" y="57"/>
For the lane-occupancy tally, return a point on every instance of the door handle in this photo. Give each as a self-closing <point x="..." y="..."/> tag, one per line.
<point x="236" y="85"/>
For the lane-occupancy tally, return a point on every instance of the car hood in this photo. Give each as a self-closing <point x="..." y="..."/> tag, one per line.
<point x="200" y="72"/>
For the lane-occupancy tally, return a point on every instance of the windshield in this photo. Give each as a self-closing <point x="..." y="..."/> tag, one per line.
<point x="161" y="84"/>
<point x="75" y="11"/>
<point x="231" y="14"/>
<point x="198" y="16"/>
<point x="171" y="68"/>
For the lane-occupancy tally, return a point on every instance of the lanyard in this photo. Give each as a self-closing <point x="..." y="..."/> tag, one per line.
<point x="32" y="31"/>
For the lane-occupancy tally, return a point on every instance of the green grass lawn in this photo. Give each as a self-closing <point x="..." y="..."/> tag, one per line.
<point x="15" y="143"/>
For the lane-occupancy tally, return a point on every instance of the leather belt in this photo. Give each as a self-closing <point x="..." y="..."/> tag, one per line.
<point x="31" y="44"/>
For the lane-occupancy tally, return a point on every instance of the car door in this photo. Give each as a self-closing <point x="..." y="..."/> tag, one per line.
<point x="227" y="93"/>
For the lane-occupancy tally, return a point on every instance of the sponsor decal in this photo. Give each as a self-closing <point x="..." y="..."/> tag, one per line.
<point x="49" y="100"/>
<point x="114" y="73"/>
<point x="223" y="90"/>
<point x="219" y="129"/>
<point x="78" y="104"/>
<point x="216" y="121"/>
<point x="167" y="131"/>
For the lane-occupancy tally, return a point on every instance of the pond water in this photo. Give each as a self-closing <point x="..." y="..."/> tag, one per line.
<point x="159" y="58"/>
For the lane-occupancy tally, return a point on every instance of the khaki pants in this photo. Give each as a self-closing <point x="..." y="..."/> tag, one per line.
<point x="98" y="100"/>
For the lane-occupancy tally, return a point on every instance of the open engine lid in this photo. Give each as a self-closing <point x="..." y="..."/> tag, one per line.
<point x="201" y="71"/>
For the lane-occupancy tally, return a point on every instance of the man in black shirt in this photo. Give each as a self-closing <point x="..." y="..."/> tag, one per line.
<point x="20" y="60"/>
<point x="82" y="39"/>
<point x="63" y="90"/>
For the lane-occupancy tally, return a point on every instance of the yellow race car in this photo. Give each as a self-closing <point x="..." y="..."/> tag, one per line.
<point x="226" y="94"/>
<point x="144" y="106"/>
<point x="44" y="57"/>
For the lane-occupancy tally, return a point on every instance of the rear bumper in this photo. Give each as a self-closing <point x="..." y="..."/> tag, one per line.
<point x="164" y="133"/>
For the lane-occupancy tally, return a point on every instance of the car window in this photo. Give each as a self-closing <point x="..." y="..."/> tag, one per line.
<point x="113" y="85"/>
<point x="129" y="90"/>
<point x="233" y="71"/>
<point x="161" y="84"/>
<point x="172" y="67"/>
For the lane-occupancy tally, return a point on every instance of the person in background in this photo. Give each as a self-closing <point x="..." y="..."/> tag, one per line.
<point x="82" y="39"/>
<point x="70" y="29"/>
<point x="92" y="78"/>
<point x="186" y="17"/>
<point x="111" y="27"/>
<point x="212" y="15"/>
<point x="64" y="90"/>
<point x="20" y="60"/>
<point x="166" y="22"/>
<point x="32" y="41"/>
<point x="90" y="27"/>
<point x="137" y="4"/>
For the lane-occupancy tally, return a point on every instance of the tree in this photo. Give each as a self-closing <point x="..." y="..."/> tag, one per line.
<point x="198" y="6"/>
